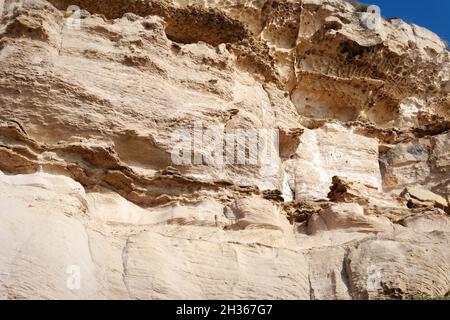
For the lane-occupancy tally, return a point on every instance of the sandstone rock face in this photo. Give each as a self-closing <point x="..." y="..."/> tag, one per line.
<point x="423" y="160"/>
<point x="418" y="195"/>
<point x="165" y="149"/>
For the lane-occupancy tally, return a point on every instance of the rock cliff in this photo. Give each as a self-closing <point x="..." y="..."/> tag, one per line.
<point x="101" y="199"/>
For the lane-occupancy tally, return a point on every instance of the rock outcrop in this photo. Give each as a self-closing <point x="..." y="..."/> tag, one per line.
<point x="118" y="178"/>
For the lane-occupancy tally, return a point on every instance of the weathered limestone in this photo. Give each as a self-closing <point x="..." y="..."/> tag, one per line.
<point x="420" y="196"/>
<point x="423" y="161"/>
<point x="93" y="205"/>
<point x="328" y="152"/>
<point x="347" y="216"/>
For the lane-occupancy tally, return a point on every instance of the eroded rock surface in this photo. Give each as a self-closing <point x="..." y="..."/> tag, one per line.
<point x="92" y="204"/>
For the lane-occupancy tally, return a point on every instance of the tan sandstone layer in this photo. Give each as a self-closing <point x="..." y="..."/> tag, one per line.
<point x="355" y="206"/>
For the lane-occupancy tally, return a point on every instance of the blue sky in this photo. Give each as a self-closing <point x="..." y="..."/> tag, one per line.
<point x="431" y="14"/>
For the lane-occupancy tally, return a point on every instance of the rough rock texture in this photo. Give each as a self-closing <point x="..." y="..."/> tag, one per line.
<point x="93" y="205"/>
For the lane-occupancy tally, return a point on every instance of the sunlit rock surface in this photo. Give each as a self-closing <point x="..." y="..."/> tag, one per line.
<point x="353" y="205"/>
